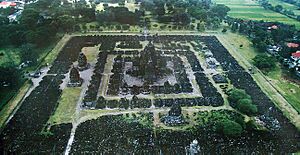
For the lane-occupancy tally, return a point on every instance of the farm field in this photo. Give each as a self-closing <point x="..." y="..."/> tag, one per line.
<point x="248" y="9"/>
<point x="113" y="106"/>
<point x="285" y="5"/>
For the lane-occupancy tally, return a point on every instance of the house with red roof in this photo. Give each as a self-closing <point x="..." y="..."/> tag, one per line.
<point x="296" y="56"/>
<point x="294" y="60"/>
<point x="6" y="4"/>
<point x="292" y="45"/>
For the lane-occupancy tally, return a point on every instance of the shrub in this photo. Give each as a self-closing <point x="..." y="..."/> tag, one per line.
<point x="245" y="106"/>
<point x="240" y="100"/>
<point x="230" y="128"/>
<point x="237" y="94"/>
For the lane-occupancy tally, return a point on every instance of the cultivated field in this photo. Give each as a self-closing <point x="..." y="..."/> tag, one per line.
<point x="248" y="9"/>
<point x="285" y="5"/>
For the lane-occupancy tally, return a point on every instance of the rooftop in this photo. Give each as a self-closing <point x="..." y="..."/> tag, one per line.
<point x="292" y="45"/>
<point x="296" y="54"/>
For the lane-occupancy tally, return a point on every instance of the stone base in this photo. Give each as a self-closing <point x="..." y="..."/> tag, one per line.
<point x="173" y="120"/>
<point x="77" y="84"/>
<point x="87" y="66"/>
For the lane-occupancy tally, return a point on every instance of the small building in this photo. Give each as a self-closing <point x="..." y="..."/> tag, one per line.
<point x="6" y="4"/>
<point x="273" y="50"/>
<point x="292" y="45"/>
<point x="295" y="56"/>
<point x="273" y="27"/>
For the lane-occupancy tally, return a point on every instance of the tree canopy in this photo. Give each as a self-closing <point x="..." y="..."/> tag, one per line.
<point x="264" y="62"/>
<point x="230" y="128"/>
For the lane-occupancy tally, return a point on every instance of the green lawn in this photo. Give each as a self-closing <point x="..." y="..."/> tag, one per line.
<point x="290" y="90"/>
<point x="248" y="9"/>
<point x="9" y="56"/>
<point x="8" y="108"/>
<point x="65" y="111"/>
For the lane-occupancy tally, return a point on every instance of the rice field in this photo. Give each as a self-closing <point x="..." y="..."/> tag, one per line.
<point x="250" y="9"/>
<point x="285" y="5"/>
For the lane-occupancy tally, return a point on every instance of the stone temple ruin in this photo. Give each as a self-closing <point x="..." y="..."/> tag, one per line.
<point x="152" y="66"/>
<point x="82" y="62"/>
<point x="174" y="116"/>
<point x="75" y="80"/>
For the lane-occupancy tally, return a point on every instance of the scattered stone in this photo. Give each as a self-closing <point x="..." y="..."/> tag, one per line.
<point x="174" y="118"/>
<point x="220" y="78"/>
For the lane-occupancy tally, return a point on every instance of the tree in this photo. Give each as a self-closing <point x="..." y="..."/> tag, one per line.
<point x="201" y="27"/>
<point x="261" y="46"/>
<point x="147" y="5"/>
<point x="30" y="18"/>
<point x="182" y="18"/>
<point x="28" y="53"/>
<point x="230" y="128"/>
<point x="9" y="76"/>
<point x="264" y="62"/>
<point x="66" y="23"/>
<point x="240" y="100"/>
<point x="3" y="20"/>
<point x="237" y="94"/>
<point x="278" y="8"/>
<point x="198" y="13"/>
<point x="160" y="11"/>
<point x="181" y="4"/>
<point x="220" y="10"/>
<point x="245" y="106"/>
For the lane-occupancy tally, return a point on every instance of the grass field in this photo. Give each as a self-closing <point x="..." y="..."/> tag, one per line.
<point x="290" y="90"/>
<point x="9" y="56"/>
<point x="65" y="111"/>
<point x="8" y="108"/>
<point x="249" y="9"/>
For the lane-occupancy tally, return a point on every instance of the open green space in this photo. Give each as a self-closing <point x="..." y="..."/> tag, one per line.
<point x="9" y="56"/>
<point x="289" y="89"/>
<point x="248" y="9"/>
<point x="65" y="111"/>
